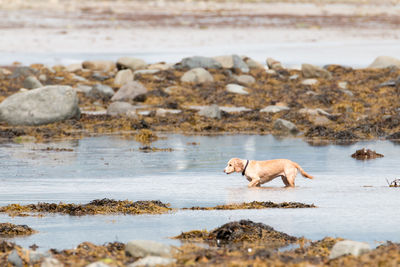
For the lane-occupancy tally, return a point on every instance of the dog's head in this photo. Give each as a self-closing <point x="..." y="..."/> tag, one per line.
<point x="234" y="165"/>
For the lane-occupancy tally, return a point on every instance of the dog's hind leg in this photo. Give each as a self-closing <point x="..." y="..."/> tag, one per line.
<point x="285" y="181"/>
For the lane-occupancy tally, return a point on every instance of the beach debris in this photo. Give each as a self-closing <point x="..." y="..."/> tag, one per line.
<point x="364" y="154"/>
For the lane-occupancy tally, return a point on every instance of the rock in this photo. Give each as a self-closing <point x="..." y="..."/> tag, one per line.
<point x="245" y="79"/>
<point x="101" y="91"/>
<point x="197" y="75"/>
<point x="285" y="126"/>
<point x="101" y="65"/>
<point x="97" y="264"/>
<point x="78" y="78"/>
<point x="42" y="77"/>
<point x="347" y="92"/>
<point x="73" y="67"/>
<point x="129" y="91"/>
<point x="160" y="66"/>
<point x="131" y="63"/>
<point x="15" y="259"/>
<point x="384" y="62"/>
<point x="252" y="64"/>
<point x="320" y="120"/>
<point x="171" y="89"/>
<point x="363" y="154"/>
<point x="198" y="62"/>
<point x="152" y="261"/>
<point x="40" y="106"/>
<point x="234" y="109"/>
<point x="294" y="77"/>
<point x="274" y="109"/>
<point x="163" y="112"/>
<point x="314" y="112"/>
<point x="123" y="76"/>
<point x="100" y="76"/>
<point x="144" y="72"/>
<point x="31" y="82"/>
<point x="232" y="62"/>
<point x="311" y="71"/>
<point x="272" y="72"/>
<point x="119" y="108"/>
<point x="83" y="88"/>
<point x="143" y="248"/>
<point x="309" y="82"/>
<point x="347" y="247"/>
<point x="274" y="64"/>
<point x="5" y="72"/>
<point x="236" y="89"/>
<point x="51" y="262"/>
<point x="212" y="112"/>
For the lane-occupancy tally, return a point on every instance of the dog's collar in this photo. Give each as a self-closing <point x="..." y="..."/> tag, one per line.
<point x="245" y="167"/>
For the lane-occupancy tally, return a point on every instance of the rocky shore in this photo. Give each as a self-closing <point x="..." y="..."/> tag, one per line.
<point x="200" y="95"/>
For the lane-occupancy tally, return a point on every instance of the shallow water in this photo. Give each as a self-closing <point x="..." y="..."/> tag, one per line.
<point x="352" y="196"/>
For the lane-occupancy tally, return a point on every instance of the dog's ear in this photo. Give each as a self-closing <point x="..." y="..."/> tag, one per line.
<point x="238" y="165"/>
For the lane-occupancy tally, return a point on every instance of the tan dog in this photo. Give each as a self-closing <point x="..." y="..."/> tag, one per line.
<point x="260" y="172"/>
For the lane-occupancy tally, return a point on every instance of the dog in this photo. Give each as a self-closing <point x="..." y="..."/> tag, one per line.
<point x="260" y="172"/>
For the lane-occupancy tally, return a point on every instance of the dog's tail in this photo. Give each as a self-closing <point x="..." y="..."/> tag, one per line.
<point x="302" y="171"/>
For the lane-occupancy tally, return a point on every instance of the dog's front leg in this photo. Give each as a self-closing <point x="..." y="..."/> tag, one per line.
<point x="254" y="182"/>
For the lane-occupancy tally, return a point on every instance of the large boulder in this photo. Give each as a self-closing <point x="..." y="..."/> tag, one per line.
<point x="348" y="247"/>
<point x="384" y="62"/>
<point x="40" y="106"/>
<point x="285" y="126"/>
<point x="198" y="62"/>
<point x="232" y="62"/>
<point x="131" y="63"/>
<point x="101" y="65"/>
<point x="129" y="91"/>
<point x="197" y="75"/>
<point x="143" y="248"/>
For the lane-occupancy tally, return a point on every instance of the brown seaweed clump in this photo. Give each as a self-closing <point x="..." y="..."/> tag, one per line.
<point x="148" y="149"/>
<point x="11" y="230"/>
<point x="97" y="206"/>
<point x="257" y="205"/>
<point x="240" y="232"/>
<point x="363" y="154"/>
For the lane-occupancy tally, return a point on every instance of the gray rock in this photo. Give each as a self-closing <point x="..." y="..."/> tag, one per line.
<point x="320" y="120"/>
<point x="40" y="106"/>
<point x="274" y="64"/>
<point x="197" y="75"/>
<point x="234" y="109"/>
<point x="83" y="88"/>
<point x="159" y="66"/>
<point x="78" y="78"/>
<point x="129" y="91"/>
<point x="42" y="77"/>
<point x="342" y="85"/>
<point x="101" y="65"/>
<point x="285" y="126"/>
<point x="15" y="259"/>
<point x="198" y="62"/>
<point x="232" y="62"/>
<point x="143" y="248"/>
<point x="131" y="63"/>
<point x="347" y="247"/>
<point x="212" y="111"/>
<point x="51" y="262"/>
<point x="314" y="112"/>
<point x="309" y="82"/>
<point x="294" y="77"/>
<point x="97" y="264"/>
<point x="100" y="91"/>
<point x="119" y="108"/>
<point x="274" y="109"/>
<point x="245" y="79"/>
<point x="31" y="82"/>
<point x="384" y="62"/>
<point x="236" y="89"/>
<point x="311" y="71"/>
<point x="100" y="76"/>
<point x="123" y="76"/>
<point x="347" y="92"/>
<point x="150" y="261"/>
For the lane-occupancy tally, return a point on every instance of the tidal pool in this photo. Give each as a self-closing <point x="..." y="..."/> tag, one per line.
<point x="353" y="198"/>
